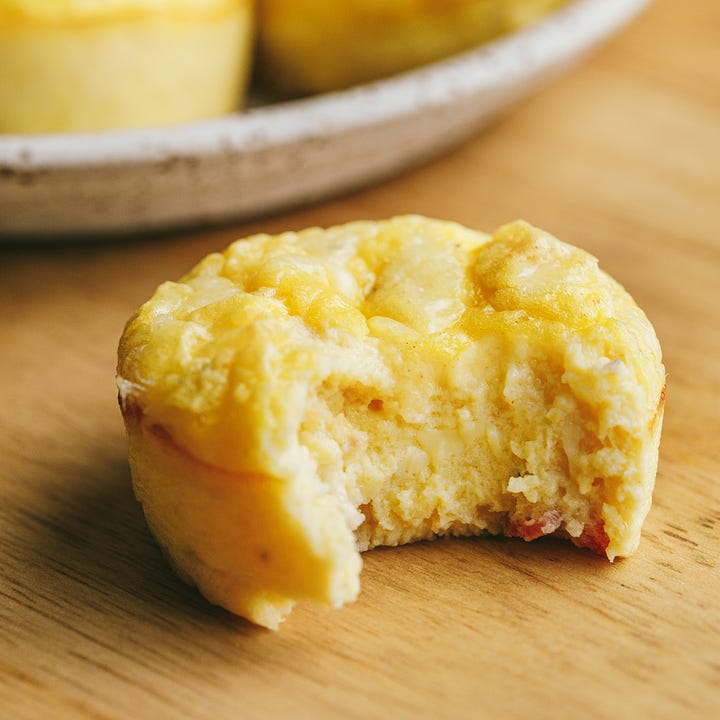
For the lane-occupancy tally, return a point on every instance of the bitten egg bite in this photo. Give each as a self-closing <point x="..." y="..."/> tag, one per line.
<point x="300" y="398"/>
<point x="82" y="65"/>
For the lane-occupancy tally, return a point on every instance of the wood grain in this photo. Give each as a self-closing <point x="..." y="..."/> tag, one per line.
<point x="621" y="157"/>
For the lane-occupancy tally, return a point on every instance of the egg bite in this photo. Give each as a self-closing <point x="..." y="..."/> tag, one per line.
<point x="312" y="46"/>
<point x="86" y="65"/>
<point x="299" y="399"/>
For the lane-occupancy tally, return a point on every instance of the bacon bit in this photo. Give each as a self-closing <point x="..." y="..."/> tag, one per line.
<point x="532" y="529"/>
<point x="593" y="538"/>
<point x="375" y="405"/>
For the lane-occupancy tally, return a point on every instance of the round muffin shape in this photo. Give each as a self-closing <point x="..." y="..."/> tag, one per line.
<point x="300" y="398"/>
<point x="75" y="65"/>
<point x="309" y="46"/>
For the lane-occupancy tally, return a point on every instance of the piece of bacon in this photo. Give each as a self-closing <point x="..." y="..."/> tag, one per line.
<point x="533" y="528"/>
<point x="594" y="538"/>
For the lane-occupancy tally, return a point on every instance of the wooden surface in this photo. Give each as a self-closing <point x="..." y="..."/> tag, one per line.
<point x="621" y="157"/>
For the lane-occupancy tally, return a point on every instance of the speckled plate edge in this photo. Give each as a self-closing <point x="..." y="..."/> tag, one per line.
<point x="277" y="156"/>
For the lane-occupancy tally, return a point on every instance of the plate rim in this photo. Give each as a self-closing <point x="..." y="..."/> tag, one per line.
<point x="461" y="75"/>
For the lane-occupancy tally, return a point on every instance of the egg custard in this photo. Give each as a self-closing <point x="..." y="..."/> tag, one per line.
<point x="309" y="46"/>
<point x="300" y="398"/>
<point x="79" y="65"/>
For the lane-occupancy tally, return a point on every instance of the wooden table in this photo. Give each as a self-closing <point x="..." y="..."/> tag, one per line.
<point x="621" y="157"/>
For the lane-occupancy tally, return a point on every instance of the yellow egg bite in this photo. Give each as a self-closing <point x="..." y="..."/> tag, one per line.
<point x="309" y="46"/>
<point x="74" y="65"/>
<point x="300" y="398"/>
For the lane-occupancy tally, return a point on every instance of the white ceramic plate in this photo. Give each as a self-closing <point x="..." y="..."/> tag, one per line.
<point x="277" y="156"/>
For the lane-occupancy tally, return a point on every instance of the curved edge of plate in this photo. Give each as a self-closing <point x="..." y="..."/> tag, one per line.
<point x="271" y="158"/>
